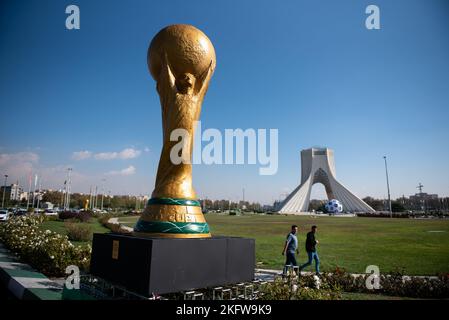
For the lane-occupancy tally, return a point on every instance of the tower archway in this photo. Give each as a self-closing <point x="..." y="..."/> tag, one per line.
<point x="318" y="166"/>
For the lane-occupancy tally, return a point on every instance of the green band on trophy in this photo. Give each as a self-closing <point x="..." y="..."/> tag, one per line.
<point x="176" y="202"/>
<point x="171" y="227"/>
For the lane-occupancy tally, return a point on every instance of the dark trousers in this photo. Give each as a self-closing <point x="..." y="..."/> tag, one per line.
<point x="290" y="261"/>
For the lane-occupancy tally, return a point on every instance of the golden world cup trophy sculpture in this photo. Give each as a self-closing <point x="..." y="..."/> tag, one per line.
<point x="181" y="59"/>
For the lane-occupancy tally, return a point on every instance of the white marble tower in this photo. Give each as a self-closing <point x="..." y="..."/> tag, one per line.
<point x="318" y="166"/>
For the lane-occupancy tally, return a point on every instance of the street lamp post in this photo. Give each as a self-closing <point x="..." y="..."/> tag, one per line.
<point x="68" y="189"/>
<point x="388" y="187"/>
<point x="102" y="194"/>
<point x="96" y="197"/>
<point x="4" y="191"/>
<point x="62" y="199"/>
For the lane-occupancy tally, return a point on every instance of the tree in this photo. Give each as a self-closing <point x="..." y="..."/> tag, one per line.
<point x="376" y="204"/>
<point x="396" y="206"/>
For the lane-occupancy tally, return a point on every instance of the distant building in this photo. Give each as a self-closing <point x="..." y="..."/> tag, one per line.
<point x="12" y="192"/>
<point x="24" y="196"/>
<point x="424" y="201"/>
<point x="423" y="196"/>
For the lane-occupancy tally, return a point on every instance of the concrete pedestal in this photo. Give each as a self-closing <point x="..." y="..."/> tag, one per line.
<point x="163" y="265"/>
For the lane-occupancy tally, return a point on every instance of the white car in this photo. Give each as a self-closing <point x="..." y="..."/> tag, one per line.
<point x="51" y="212"/>
<point x="4" y="215"/>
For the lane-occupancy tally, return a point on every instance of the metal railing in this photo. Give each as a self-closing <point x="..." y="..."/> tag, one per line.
<point x="101" y="289"/>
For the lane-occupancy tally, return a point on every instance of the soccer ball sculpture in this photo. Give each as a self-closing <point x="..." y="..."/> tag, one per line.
<point x="334" y="206"/>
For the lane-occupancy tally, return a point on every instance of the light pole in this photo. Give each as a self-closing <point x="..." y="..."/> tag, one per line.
<point x="61" y="206"/>
<point x="4" y="191"/>
<point x="68" y="189"/>
<point x="63" y="193"/>
<point x="29" y="191"/>
<point x="102" y="193"/>
<point x="95" y="197"/>
<point x="388" y="188"/>
<point x="34" y="190"/>
<point x="90" y="198"/>
<point x="39" y="195"/>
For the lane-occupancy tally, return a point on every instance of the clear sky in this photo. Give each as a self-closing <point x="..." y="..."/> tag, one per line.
<point x="307" y="68"/>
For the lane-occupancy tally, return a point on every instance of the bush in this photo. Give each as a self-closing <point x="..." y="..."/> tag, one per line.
<point x="393" y="284"/>
<point x="417" y="287"/>
<point x="304" y="288"/>
<point x="82" y="216"/>
<point x="332" y="284"/>
<point x="78" y="231"/>
<point x="47" y="251"/>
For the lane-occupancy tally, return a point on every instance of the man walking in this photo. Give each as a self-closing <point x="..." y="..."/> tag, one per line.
<point x="311" y="243"/>
<point x="290" y="247"/>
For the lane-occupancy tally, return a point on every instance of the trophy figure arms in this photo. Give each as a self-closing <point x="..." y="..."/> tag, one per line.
<point x="203" y="81"/>
<point x="166" y="78"/>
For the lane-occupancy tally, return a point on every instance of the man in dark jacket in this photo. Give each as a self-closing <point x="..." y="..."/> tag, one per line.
<point x="311" y="243"/>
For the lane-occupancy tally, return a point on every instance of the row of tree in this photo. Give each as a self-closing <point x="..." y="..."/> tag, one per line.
<point x="120" y="202"/>
<point x="78" y="201"/>
<point x="410" y="204"/>
<point x="402" y="204"/>
<point x="224" y="205"/>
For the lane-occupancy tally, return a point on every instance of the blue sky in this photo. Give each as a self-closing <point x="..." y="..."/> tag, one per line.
<point x="307" y="68"/>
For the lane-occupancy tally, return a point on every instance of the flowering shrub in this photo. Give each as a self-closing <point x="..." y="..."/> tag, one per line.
<point x="47" y="251"/>
<point x="332" y="284"/>
<point x="419" y="287"/>
<point x="304" y="288"/>
<point x="393" y="284"/>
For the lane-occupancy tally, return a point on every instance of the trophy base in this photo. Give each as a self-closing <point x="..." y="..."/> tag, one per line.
<point x="171" y="229"/>
<point x="162" y="265"/>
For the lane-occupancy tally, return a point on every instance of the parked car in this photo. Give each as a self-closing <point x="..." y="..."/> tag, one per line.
<point x="50" y="212"/>
<point x="4" y="215"/>
<point x="20" y="212"/>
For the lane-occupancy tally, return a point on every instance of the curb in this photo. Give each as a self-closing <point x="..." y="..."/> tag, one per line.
<point x="23" y="281"/>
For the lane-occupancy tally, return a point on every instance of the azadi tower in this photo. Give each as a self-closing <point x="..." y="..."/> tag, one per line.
<point x="318" y="166"/>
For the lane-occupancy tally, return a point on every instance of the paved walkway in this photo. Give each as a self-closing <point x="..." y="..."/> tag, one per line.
<point x="115" y="221"/>
<point x="24" y="282"/>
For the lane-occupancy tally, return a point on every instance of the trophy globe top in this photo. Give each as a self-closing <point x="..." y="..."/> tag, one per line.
<point x="188" y="50"/>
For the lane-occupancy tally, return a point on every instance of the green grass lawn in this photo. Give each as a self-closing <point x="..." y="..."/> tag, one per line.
<point x="59" y="227"/>
<point x="350" y="243"/>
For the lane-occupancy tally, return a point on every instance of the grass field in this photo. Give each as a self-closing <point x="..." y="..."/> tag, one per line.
<point x="350" y="243"/>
